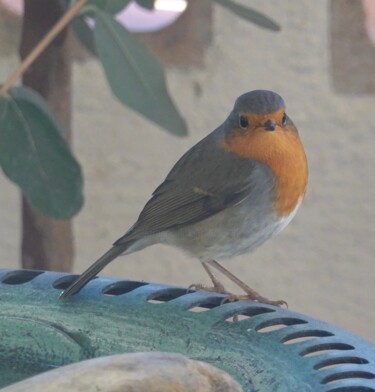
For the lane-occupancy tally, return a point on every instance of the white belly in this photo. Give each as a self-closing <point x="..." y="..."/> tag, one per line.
<point x="232" y="232"/>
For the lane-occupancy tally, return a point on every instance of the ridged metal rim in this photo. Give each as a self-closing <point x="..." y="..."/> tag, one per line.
<point x="321" y="356"/>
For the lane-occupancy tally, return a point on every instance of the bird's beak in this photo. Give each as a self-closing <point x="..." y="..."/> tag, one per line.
<point x="270" y="125"/>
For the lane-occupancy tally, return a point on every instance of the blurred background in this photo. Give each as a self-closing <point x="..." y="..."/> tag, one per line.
<point x="322" y="62"/>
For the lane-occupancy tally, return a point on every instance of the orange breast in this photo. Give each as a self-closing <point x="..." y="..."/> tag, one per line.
<point x="283" y="152"/>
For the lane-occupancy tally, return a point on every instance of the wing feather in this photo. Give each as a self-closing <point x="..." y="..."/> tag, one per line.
<point x="206" y="180"/>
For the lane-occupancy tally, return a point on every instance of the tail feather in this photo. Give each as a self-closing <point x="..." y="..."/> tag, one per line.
<point x="92" y="271"/>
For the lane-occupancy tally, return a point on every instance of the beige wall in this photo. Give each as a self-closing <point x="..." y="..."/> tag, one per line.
<point x="322" y="264"/>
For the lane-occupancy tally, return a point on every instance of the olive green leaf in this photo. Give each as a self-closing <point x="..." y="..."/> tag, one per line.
<point x="84" y="33"/>
<point x="135" y="76"/>
<point x="249" y="14"/>
<point x="34" y="155"/>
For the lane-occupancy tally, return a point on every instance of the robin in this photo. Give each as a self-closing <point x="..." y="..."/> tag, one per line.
<point x="236" y="188"/>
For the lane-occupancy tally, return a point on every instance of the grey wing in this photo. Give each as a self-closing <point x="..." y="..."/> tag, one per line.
<point x="202" y="183"/>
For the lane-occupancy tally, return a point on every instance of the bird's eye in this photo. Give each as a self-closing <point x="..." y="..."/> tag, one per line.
<point x="283" y="120"/>
<point x="244" y="123"/>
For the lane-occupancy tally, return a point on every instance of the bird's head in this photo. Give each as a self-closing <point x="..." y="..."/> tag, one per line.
<point x="259" y="111"/>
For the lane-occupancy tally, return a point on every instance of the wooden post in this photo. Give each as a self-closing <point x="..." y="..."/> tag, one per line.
<point x="47" y="243"/>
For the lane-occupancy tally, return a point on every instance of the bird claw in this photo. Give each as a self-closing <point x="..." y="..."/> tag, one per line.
<point x="260" y="299"/>
<point x="230" y="297"/>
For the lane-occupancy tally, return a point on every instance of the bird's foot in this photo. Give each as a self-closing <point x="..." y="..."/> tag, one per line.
<point x="218" y="287"/>
<point x="251" y="294"/>
<point x="258" y="298"/>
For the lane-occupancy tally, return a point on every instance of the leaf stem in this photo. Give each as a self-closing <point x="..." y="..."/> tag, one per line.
<point x="37" y="51"/>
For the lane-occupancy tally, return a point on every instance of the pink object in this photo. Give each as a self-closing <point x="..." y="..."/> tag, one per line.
<point x="369" y="9"/>
<point x="138" y="19"/>
<point x="13" y="6"/>
<point x="133" y="17"/>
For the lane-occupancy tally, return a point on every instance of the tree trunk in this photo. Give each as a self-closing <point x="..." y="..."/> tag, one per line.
<point x="47" y="243"/>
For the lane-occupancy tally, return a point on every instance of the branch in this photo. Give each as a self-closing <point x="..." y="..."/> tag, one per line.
<point x="36" y="52"/>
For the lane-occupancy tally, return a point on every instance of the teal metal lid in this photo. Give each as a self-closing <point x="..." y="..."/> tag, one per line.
<point x="266" y="349"/>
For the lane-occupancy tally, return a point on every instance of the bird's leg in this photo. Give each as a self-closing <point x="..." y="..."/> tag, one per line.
<point x="251" y="294"/>
<point x="217" y="287"/>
